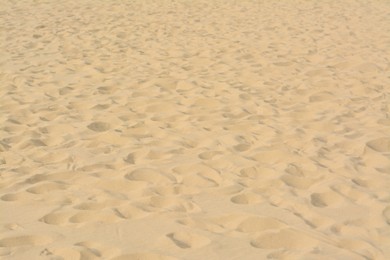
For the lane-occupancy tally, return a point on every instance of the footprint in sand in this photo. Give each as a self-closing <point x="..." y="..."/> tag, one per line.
<point x="259" y="224"/>
<point x="93" y="250"/>
<point x="199" y="176"/>
<point x="186" y="240"/>
<point x="361" y="247"/>
<point x="85" y="250"/>
<point x="242" y="147"/>
<point x="25" y="241"/>
<point x="149" y="175"/>
<point x="170" y="190"/>
<point x="46" y="187"/>
<point x="129" y="212"/>
<point x="65" y="218"/>
<point x="143" y="256"/>
<point x="99" y="126"/>
<point x="91" y="206"/>
<point x="203" y="224"/>
<point x="65" y="90"/>
<point x="89" y="216"/>
<point x="321" y="96"/>
<point x="386" y="214"/>
<point x="60" y="176"/>
<point x="381" y="145"/>
<point x="130" y="158"/>
<point x="67" y="253"/>
<point x="302" y="183"/>
<point x="325" y="199"/>
<point x="246" y="198"/>
<point x="169" y="203"/>
<point x="250" y="172"/>
<point x="56" y="218"/>
<point x="208" y="155"/>
<point x="286" y="238"/>
<point x="16" y="196"/>
<point x="37" y="142"/>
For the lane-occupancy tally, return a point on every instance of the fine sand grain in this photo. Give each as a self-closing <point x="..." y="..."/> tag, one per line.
<point x="202" y="129"/>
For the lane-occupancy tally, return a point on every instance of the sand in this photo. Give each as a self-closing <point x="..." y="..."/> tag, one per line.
<point x="177" y="129"/>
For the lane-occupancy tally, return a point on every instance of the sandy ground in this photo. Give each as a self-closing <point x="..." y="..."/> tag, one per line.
<point x="194" y="129"/>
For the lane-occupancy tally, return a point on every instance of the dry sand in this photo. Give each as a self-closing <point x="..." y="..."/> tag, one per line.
<point x="156" y="129"/>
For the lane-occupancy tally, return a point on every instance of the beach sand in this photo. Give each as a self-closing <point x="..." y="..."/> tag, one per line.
<point x="177" y="129"/>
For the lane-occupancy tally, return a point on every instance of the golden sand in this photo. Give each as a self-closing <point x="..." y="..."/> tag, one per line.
<point x="204" y="129"/>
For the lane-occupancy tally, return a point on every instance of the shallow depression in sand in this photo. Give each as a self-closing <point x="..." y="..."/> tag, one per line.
<point x="99" y="126"/>
<point x="31" y="240"/>
<point x="285" y="238"/>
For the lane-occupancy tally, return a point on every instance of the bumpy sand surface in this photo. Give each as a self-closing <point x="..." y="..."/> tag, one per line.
<point x="204" y="129"/>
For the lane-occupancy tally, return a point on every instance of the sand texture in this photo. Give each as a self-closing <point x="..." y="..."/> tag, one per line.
<point x="202" y="129"/>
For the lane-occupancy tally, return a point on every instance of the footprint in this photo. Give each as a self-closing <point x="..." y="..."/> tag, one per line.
<point x="350" y="192"/>
<point x="172" y="204"/>
<point x="380" y="145"/>
<point x="367" y="67"/>
<point x="51" y="177"/>
<point x="246" y="198"/>
<point x="119" y="186"/>
<point x="89" y="250"/>
<point x="196" y="180"/>
<point x="202" y="224"/>
<point x="91" y="206"/>
<point x="208" y="155"/>
<point x="170" y="190"/>
<point x="361" y="247"/>
<point x="285" y="238"/>
<point x="129" y="212"/>
<point x="25" y="241"/>
<point x="99" y="126"/>
<point x="130" y="159"/>
<point x="297" y="182"/>
<point x="37" y="142"/>
<point x="16" y="196"/>
<point x="294" y="170"/>
<point x="148" y="175"/>
<point x="143" y="256"/>
<point x="65" y="90"/>
<point x="227" y="190"/>
<point x="46" y="187"/>
<point x="259" y="224"/>
<point x="241" y="147"/>
<point x="271" y="156"/>
<point x="250" y="172"/>
<point x="56" y="218"/>
<point x="96" y="250"/>
<point x="188" y="240"/>
<point x="66" y="253"/>
<point x="210" y="175"/>
<point x="283" y="64"/>
<point x="160" y="107"/>
<point x="101" y="106"/>
<point x="317" y="73"/>
<point x="325" y="199"/>
<point x="386" y="214"/>
<point x="162" y="202"/>
<point x="89" y="216"/>
<point x="183" y="85"/>
<point x="321" y="96"/>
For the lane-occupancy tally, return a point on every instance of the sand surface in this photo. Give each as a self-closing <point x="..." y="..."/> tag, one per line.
<point x="178" y="129"/>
